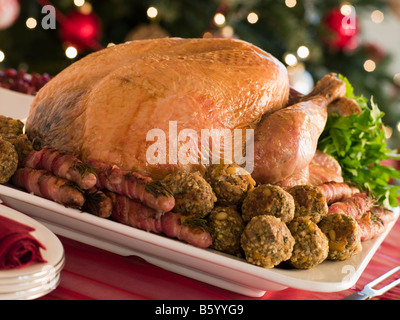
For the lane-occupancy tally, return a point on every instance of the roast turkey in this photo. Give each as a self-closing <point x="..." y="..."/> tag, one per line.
<point x="114" y="104"/>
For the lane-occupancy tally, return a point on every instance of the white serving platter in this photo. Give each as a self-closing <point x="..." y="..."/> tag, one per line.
<point x="15" y="104"/>
<point x="205" y="265"/>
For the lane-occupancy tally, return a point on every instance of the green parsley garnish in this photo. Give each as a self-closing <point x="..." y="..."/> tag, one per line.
<point x="358" y="143"/>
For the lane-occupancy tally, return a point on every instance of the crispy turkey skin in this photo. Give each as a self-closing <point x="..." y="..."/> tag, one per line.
<point x="103" y="106"/>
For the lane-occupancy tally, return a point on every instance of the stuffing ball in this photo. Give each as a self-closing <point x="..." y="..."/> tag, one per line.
<point x="8" y="160"/>
<point x="22" y="145"/>
<point x="230" y="183"/>
<point x="267" y="241"/>
<point x="311" y="244"/>
<point x="344" y="235"/>
<point x="193" y="195"/>
<point x="309" y="202"/>
<point x="268" y="200"/>
<point x="226" y="227"/>
<point x="9" y="126"/>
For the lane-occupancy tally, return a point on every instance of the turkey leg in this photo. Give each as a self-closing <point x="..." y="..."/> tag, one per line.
<point x="286" y="140"/>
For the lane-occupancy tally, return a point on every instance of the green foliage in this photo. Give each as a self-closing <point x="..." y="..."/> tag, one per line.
<point x="358" y="142"/>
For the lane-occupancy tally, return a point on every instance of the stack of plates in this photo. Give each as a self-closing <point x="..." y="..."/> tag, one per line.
<point x="37" y="279"/>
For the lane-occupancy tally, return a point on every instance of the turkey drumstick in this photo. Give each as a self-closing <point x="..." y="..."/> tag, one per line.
<point x="286" y="140"/>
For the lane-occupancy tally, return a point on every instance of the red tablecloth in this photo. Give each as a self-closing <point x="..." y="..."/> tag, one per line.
<point x="92" y="273"/>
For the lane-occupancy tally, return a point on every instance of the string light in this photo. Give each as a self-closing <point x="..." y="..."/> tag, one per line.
<point x="79" y="3"/>
<point x="398" y="126"/>
<point x="227" y="31"/>
<point x="152" y="12"/>
<point x="346" y="9"/>
<point x="369" y="65"/>
<point x="396" y="79"/>
<point x="290" y="3"/>
<point x="377" y="16"/>
<point x="2" y="56"/>
<point x="71" y="52"/>
<point x="86" y="8"/>
<point x="219" y="19"/>
<point x="31" y="23"/>
<point x="252" y="17"/>
<point x="290" y="59"/>
<point x="388" y="132"/>
<point x="303" y="52"/>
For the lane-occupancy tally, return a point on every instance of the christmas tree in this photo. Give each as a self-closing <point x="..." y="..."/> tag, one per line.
<point x="311" y="37"/>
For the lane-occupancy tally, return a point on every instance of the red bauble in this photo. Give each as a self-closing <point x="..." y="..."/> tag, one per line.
<point x="340" y="32"/>
<point x="374" y="52"/>
<point x="80" y="30"/>
<point x="9" y="12"/>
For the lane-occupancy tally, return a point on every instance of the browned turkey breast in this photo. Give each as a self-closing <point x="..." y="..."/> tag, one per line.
<point x="104" y="105"/>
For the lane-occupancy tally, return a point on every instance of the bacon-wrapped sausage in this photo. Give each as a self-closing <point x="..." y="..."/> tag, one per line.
<point x="374" y="222"/>
<point x="44" y="184"/>
<point x="153" y="194"/>
<point x="355" y="206"/>
<point x="337" y="191"/>
<point x="62" y="165"/>
<point x="174" y="225"/>
<point x="97" y="203"/>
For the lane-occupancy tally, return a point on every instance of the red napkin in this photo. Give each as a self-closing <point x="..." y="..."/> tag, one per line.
<point x="18" y="248"/>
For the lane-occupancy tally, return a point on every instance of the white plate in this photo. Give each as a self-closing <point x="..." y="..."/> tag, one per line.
<point x="53" y="254"/>
<point x="15" y="104"/>
<point x="201" y="264"/>
<point x="45" y="282"/>
<point x="33" y="292"/>
<point x="36" y="278"/>
<point x="47" y="271"/>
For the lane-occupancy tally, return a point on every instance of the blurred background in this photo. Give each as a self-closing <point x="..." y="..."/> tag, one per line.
<point x="359" y="39"/>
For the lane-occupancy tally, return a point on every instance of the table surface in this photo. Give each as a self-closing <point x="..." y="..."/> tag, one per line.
<point x="94" y="274"/>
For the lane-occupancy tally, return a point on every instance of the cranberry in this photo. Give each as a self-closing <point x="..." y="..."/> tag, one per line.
<point x="22" y="82"/>
<point x="10" y="73"/>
